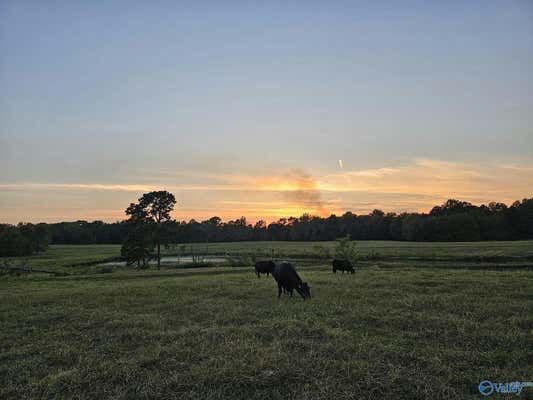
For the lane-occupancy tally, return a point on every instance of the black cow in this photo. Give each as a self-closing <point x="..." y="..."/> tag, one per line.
<point x="264" y="267"/>
<point x="288" y="280"/>
<point x="342" y="265"/>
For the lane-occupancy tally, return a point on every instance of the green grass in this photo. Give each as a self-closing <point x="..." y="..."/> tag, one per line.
<point x="221" y="333"/>
<point x="62" y="257"/>
<point x="518" y="253"/>
<point x="423" y="321"/>
<point x="383" y="248"/>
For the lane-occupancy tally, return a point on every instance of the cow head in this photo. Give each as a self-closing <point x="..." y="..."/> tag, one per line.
<point x="304" y="290"/>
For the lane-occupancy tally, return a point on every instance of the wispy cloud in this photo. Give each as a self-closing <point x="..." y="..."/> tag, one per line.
<point x="417" y="185"/>
<point x="436" y="178"/>
<point x="76" y="186"/>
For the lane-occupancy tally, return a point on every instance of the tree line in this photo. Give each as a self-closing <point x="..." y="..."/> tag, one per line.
<point x="23" y="239"/>
<point x="452" y="221"/>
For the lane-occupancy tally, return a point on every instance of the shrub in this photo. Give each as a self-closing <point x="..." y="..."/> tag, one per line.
<point x="345" y="249"/>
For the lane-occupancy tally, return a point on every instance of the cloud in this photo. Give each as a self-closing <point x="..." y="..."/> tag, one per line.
<point x="303" y="192"/>
<point x="76" y="186"/>
<point x="437" y="179"/>
<point x="265" y="194"/>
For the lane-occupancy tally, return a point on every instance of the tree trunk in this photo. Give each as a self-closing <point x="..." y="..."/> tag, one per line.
<point x="158" y="255"/>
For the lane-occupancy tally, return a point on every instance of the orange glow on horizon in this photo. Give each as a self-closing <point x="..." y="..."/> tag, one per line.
<point x="416" y="186"/>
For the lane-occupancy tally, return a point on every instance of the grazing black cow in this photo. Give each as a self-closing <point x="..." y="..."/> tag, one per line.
<point x="264" y="267"/>
<point x="288" y="280"/>
<point x="342" y="265"/>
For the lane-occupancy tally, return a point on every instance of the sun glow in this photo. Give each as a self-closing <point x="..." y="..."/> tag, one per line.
<point x="415" y="186"/>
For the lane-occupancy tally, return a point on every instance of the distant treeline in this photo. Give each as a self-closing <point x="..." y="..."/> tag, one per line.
<point x="23" y="239"/>
<point x="453" y="221"/>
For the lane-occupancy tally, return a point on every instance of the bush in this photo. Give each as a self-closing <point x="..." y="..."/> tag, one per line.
<point x="345" y="249"/>
<point x="136" y="248"/>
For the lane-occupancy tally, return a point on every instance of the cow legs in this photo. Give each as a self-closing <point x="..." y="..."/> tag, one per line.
<point x="279" y="290"/>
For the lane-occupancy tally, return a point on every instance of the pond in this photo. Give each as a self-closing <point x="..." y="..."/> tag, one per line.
<point x="173" y="260"/>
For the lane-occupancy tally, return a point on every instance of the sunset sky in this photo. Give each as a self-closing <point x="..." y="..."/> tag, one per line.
<point x="262" y="109"/>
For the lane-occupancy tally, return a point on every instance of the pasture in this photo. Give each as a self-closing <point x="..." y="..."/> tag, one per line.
<point x="394" y="329"/>
<point x="83" y="259"/>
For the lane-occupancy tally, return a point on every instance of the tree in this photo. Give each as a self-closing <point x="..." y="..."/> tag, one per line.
<point x="23" y="239"/>
<point x="153" y="210"/>
<point x="454" y="220"/>
<point x="136" y="248"/>
<point x="345" y="249"/>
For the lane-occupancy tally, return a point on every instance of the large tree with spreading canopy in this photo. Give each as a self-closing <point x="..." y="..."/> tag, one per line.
<point x="152" y="210"/>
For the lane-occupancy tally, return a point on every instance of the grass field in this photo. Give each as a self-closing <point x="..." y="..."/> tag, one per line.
<point x="383" y="248"/>
<point x="211" y="333"/>
<point x="64" y="257"/>
<point x="500" y="254"/>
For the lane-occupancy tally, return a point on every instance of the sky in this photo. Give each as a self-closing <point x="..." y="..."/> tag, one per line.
<point x="262" y="109"/>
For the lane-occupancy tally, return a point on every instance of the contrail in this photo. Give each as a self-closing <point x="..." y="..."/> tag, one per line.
<point x="340" y="164"/>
